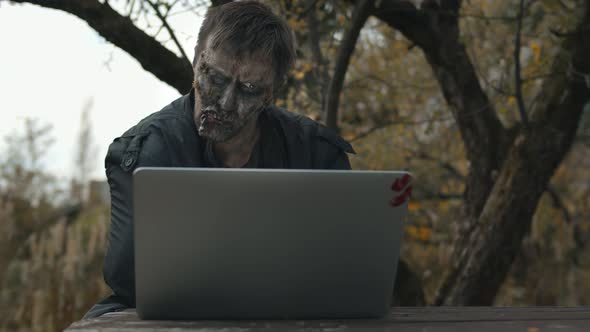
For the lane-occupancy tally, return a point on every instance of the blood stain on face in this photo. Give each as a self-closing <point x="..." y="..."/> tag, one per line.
<point x="231" y="91"/>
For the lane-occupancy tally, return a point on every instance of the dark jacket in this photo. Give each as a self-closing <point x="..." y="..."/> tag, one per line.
<point x="169" y="138"/>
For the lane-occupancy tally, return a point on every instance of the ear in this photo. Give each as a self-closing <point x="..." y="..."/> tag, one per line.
<point x="195" y="64"/>
<point x="197" y="60"/>
<point x="196" y="56"/>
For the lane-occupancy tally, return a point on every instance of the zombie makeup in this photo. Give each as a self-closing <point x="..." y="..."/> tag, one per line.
<point x="230" y="93"/>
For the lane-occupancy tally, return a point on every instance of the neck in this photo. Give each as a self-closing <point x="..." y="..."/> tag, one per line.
<point x="236" y="151"/>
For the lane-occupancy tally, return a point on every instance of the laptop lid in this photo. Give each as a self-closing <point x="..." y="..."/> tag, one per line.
<point x="260" y="243"/>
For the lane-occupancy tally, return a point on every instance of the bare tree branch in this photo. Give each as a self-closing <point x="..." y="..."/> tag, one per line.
<point x="371" y="130"/>
<point x="321" y="72"/>
<point x="165" y="24"/>
<point x="421" y="154"/>
<point x="436" y="196"/>
<point x="435" y="29"/>
<point x="517" y="77"/>
<point x="398" y="83"/>
<point x="215" y="3"/>
<point x="558" y="203"/>
<point x="120" y="30"/>
<point x="361" y="13"/>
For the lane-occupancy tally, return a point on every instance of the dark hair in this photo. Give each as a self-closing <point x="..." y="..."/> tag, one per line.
<point x="247" y="27"/>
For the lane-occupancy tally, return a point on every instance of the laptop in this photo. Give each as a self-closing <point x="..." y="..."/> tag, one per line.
<point x="265" y="243"/>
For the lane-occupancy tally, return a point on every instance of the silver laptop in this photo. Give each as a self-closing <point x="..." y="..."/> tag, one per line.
<point x="265" y="244"/>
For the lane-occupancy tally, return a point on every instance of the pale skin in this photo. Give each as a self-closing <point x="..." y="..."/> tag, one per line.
<point x="231" y="91"/>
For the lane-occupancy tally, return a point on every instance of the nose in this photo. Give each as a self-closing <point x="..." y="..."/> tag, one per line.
<point x="228" y="99"/>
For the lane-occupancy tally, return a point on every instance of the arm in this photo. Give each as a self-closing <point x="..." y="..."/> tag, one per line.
<point x="118" y="264"/>
<point x="125" y="154"/>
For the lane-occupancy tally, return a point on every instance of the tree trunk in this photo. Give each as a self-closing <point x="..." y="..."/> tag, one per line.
<point x="531" y="161"/>
<point x="507" y="176"/>
<point x="361" y="12"/>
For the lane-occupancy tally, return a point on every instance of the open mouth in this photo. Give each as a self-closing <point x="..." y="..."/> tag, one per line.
<point x="213" y="117"/>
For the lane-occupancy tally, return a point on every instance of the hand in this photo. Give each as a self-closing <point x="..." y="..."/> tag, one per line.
<point x="398" y="185"/>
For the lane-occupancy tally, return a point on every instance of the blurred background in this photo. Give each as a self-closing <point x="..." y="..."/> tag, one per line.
<point x="470" y="96"/>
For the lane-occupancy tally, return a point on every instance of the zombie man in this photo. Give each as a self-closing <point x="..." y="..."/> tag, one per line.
<point x="242" y="56"/>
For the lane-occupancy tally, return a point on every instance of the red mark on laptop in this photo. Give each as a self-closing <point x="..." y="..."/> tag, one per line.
<point x="398" y="185"/>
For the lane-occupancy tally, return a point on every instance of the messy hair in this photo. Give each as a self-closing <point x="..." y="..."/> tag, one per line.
<point x="247" y="27"/>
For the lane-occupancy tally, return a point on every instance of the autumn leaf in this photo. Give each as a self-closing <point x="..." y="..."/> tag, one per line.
<point x="443" y="205"/>
<point x="298" y="75"/>
<point x="412" y="231"/>
<point x="511" y="100"/>
<point x="536" y="48"/>
<point x="424" y="233"/>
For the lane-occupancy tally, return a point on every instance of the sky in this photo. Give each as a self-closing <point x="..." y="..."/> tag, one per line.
<point x="50" y="69"/>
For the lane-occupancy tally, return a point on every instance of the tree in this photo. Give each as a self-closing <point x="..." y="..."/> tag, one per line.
<point x="40" y="254"/>
<point x="510" y="167"/>
<point x="510" y="164"/>
<point x="27" y="193"/>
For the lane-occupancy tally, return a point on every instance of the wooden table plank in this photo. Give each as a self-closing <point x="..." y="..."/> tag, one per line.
<point x="403" y="319"/>
<point x="444" y="314"/>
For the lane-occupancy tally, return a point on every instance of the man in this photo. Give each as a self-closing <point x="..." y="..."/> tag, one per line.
<point x="242" y="56"/>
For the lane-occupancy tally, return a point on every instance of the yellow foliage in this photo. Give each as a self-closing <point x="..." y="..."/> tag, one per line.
<point x="424" y="233"/>
<point x="307" y="67"/>
<point x="536" y="48"/>
<point x="420" y="233"/>
<point x="412" y="231"/>
<point x="443" y="206"/>
<point x="296" y="24"/>
<point x="349" y="136"/>
<point x="511" y="100"/>
<point x="298" y="75"/>
<point x="414" y="206"/>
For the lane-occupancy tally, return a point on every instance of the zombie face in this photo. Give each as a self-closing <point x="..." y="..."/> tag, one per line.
<point x="230" y="92"/>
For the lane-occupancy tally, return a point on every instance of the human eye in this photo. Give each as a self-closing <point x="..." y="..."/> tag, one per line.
<point x="249" y="87"/>
<point x="216" y="79"/>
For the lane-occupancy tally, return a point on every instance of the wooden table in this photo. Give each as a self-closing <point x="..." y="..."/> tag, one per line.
<point x="401" y="319"/>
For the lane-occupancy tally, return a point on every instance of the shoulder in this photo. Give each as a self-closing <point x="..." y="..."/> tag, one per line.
<point x="146" y="142"/>
<point x="308" y="130"/>
<point x="171" y="115"/>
